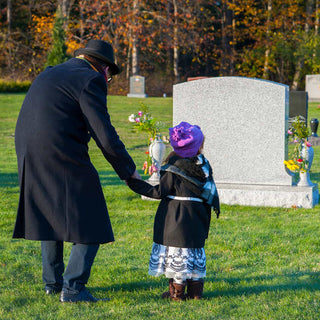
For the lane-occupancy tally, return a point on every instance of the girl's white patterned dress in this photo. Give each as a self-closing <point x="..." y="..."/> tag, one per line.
<point x="184" y="263"/>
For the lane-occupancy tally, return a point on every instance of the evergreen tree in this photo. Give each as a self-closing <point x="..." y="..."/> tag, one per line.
<point x="58" y="53"/>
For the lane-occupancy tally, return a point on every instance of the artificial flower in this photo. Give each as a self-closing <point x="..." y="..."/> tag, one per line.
<point x="144" y="122"/>
<point x="297" y="134"/>
<point x="152" y="169"/>
<point x="132" y="118"/>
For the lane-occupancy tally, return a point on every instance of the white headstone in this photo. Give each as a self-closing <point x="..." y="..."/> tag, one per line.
<point x="137" y="87"/>
<point x="313" y="87"/>
<point x="244" y="121"/>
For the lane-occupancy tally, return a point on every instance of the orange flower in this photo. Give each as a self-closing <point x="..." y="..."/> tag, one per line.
<point x="145" y="165"/>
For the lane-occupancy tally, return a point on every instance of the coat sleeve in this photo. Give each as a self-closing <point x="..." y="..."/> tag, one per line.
<point x="93" y="104"/>
<point x="159" y="191"/>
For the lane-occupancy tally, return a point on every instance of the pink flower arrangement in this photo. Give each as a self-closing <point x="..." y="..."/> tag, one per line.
<point x="144" y="122"/>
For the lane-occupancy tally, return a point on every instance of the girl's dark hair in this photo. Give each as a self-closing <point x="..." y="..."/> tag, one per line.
<point x="173" y="154"/>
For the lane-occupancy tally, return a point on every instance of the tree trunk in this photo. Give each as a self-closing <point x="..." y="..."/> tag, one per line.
<point x="300" y="63"/>
<point x="8" y="38"/>
<point x="9" y="15"/>
<point x="227" y="21"/>
<point x="316" y="31"/>
<point x="267" y="52"/>
<point x="64" y="7"/>
<point x="316" y="27"/>
<point x="128" y="58"/>
<point x="82" y="5"/>
<point x="175" y="43"/>
<point x="135" y="39"/>
<point x="232" y="58"/>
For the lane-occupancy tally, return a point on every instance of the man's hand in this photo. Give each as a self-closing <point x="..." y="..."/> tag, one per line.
<point x="136" y="175"/>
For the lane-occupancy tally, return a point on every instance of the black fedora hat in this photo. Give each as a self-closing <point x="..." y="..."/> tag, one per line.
<point x="101" y="50"/>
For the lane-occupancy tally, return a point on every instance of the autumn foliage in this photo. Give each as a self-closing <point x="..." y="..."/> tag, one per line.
<point x="168" y="41"/>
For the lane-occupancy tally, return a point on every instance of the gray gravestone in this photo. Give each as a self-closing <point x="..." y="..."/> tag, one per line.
<point x="313" y="87"/>
<point x="137" y="87"/>
<point x="298" y="104"/>
<point x="245" y="123"/>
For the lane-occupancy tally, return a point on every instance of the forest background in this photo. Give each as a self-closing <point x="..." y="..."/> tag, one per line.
<point x="166" y="41"/>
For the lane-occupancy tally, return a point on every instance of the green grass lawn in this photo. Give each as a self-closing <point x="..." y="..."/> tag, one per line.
<point x="263" y="263"/>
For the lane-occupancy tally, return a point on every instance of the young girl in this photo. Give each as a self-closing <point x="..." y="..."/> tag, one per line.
<point x="187" y="192"/>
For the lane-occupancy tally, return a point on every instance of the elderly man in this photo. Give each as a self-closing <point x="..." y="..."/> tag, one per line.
<point x="61" y="198"/>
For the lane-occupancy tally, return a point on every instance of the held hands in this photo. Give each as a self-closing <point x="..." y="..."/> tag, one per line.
<point x="135" y="175"/>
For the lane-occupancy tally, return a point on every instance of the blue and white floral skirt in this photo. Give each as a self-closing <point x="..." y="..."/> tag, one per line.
<point x="184" y="263"/>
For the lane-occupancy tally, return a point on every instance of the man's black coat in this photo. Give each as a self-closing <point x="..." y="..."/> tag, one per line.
<point x="60" y="193"/>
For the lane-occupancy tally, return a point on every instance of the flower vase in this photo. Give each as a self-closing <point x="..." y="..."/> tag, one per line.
<point x="157" y="150"/>
<point x="307" y="153"/>
<point x="305" y="179"/>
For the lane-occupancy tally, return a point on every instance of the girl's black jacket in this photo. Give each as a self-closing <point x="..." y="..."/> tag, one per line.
<point x="178" y="223"/>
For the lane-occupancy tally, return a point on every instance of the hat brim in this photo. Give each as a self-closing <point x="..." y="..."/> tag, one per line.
<point x="114" y="68"/>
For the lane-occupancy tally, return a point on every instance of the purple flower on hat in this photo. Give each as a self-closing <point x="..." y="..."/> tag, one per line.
<point x="177" y="134"/>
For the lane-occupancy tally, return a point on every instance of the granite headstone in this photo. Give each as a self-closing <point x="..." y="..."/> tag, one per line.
<point x="313" y="87"/>
<point x="298" y="104"/>
<point x="137" y="87"/>
<point x="245" y="122"/>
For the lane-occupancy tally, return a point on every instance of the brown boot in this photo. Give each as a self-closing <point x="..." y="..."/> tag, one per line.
<point x="178" y="293"/>
<point x="169" y="293"/>
<point x="195" y="289"/>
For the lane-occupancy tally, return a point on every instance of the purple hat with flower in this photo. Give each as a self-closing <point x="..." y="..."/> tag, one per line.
<point x="186" y="139"/>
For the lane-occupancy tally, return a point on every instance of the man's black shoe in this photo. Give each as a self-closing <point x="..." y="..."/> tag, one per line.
<point x="52" y="290"/>
<point x="82" y="296"/>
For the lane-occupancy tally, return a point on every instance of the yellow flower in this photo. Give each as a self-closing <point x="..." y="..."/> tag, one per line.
<point x="293" y="167"/>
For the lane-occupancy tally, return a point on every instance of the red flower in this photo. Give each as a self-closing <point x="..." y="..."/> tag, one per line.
<point x="300" y="160"/>
<point x="147" y="152"/>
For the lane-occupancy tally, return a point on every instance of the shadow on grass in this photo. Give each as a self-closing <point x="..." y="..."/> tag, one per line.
<point x="292" y="281"/>
<point x="110" y="178"/>
<point x="310" y="281"/>
<point x="8" y="180"/>
<point x="315" y="177"/>
<point x="134" y="286"/>
<point x="138" y="146"/>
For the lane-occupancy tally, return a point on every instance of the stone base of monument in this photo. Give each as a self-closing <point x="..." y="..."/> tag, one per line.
<point x="268" y="196"/>
<point x="136" y="95"/>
